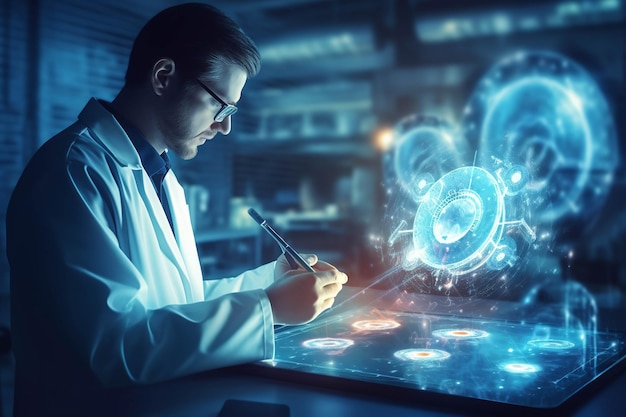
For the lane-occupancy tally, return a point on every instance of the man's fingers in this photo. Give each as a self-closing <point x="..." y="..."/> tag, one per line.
<point x="331" y="290"/>
<point x="331" y="277"/>
<point x="323" y="266"/>
<point x="310" y="258"/>
<point x="328" y="303"/>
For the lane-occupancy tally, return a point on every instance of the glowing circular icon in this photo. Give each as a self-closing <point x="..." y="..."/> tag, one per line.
<point x="459" y="223"/>
<point x="421" y="355"/>
<point x="460" y="333"/>
<point x="375" y="325"/>
<point x="550" y="344"/>
<point x="515" y="179"/>
<point x="327" y="343"/>
<point x="520" y="368"/>
<point x="504" y="254"/>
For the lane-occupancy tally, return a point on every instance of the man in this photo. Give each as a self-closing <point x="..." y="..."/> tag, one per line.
<point x="106" y="286"/>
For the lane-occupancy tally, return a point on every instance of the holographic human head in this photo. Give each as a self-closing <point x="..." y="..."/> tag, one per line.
<point x="543" y="111"/>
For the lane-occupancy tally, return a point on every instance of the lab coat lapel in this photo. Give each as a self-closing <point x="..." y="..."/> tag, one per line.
<point x="107" y="131"/>
<point x="174" y="250"/>
<point x="184" y="234"/>
<point x="183" y="252"/>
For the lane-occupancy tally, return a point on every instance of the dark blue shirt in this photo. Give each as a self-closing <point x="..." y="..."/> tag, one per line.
<point x="155" y="165"/>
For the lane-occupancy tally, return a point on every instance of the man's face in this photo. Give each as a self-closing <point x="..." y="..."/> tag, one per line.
<point x="187" y="118"/>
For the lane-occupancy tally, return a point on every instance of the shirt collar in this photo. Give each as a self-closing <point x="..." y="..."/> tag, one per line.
<point x="152" y="162"/>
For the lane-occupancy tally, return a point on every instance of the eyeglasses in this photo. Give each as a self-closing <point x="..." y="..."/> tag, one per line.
<point x="226" y="109"/>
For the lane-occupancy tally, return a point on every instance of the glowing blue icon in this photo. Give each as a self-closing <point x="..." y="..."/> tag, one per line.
<point x="421" y="355"/>
<point x="504" y="255"/>
<point x="520" y="368"/>
<point x="460" y="333"/>
<point x="514" y="178"/>
<point x="327" y="343"/>
<point x="460" y="221"/>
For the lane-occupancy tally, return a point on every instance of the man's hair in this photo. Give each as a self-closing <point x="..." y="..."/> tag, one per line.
<point x="196" y="36"/>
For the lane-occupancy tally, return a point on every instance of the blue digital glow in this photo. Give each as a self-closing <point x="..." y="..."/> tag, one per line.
<point x="551" y="344"/>
<point x="515" y="179"/>
<point x="425" y="149"/>
<point x="575" y="320"/>
<point x="327" y="343"/>
<point x="460" y="333"/>
<point x="375" y="325"/>
<point x="505" y="254"/>
<point x="501" y="360"/>
<point x="542" y="111"/>
<point x="421" y="355"/>
<point x="459" y="223"/>
<point x="520" y="368"/>
<point x="543" y="155"/>
<point x="461" y="229"/>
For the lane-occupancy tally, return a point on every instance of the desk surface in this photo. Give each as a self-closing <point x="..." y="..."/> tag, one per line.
<point x="204" y="395"/>
<point x="308" y="396"/>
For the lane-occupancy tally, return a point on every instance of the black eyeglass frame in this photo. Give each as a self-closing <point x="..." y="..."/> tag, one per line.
<point x="226" y="109"/>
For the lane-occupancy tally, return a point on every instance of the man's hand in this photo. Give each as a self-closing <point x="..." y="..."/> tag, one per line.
<point x="283" y="266"/>
<point x="298" y="296"/>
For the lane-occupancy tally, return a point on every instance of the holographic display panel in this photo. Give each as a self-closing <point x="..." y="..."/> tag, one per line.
<point x="450" y="223"/>
<point x="481" y="225"/>
<point x="531" y="364"/>
<point x="488" y="207"/>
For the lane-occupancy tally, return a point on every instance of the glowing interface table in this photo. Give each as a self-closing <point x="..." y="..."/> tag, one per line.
<point x="528" y="364"/>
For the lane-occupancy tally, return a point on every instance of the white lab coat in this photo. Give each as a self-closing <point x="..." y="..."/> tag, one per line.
<point x="102" y="292"/>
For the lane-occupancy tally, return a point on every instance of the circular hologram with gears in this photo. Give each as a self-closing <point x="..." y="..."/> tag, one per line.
<point x="459" y="223"/>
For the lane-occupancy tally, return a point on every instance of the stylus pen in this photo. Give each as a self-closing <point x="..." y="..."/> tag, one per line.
<point x="289" y="251"/>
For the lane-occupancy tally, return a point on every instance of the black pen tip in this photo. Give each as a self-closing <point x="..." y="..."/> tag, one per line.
<point x="256" y="216"/>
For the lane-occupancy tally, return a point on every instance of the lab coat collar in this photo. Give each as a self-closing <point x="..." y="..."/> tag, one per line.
<point x="109" y="133"/>
<point x="153" y="162"/>
<point x="107" y="130"/>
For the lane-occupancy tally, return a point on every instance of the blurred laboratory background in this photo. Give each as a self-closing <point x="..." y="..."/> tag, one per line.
<point x="306" y="149"/>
